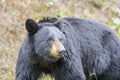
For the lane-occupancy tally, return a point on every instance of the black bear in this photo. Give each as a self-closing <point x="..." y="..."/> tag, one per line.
<point x="69" y="49"/>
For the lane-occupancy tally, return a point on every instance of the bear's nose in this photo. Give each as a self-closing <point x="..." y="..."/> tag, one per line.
<point x="61" y="52"/>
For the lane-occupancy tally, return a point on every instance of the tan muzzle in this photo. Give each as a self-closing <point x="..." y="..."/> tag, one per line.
<point x="57" y="50"/>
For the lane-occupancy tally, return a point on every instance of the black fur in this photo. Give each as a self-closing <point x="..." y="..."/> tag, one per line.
<point x="90" y="48"/>
<point x="48" y="19"/>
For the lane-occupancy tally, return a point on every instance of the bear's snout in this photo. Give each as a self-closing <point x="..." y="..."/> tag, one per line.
<point x="57" y="50"/>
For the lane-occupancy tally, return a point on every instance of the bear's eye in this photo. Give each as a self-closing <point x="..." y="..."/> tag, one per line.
<point x="60" y="39"/>
<point x="50" y="39"/>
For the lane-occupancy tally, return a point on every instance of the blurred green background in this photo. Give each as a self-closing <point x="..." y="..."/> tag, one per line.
<point x="13" y="14"/>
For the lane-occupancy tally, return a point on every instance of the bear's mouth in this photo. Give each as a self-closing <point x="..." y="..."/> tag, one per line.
<point x="53" y="58"/>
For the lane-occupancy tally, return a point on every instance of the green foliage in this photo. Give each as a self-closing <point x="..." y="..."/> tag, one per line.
<point x="46" y="77"/>
<point x="61" y="13"/>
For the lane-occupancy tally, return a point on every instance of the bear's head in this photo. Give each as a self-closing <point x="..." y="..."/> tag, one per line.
<point x="47" y="39"/>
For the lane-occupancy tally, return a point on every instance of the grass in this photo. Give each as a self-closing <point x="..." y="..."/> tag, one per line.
<point x="13" y="14"/>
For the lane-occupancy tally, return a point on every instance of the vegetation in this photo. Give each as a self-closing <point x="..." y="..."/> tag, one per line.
<point x="13" y="14"/>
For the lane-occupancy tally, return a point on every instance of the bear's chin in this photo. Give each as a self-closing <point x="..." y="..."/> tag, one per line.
<point x="51" y="58"/>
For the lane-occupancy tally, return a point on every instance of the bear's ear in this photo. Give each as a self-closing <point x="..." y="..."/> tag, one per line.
<point x="31" y="26"/>
<point x="58" y="24"/>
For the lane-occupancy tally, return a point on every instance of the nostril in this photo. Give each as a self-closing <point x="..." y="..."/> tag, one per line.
<point x="63" y="51"/>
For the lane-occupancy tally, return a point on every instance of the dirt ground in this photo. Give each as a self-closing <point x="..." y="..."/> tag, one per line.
<point x="13" y="14"/>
